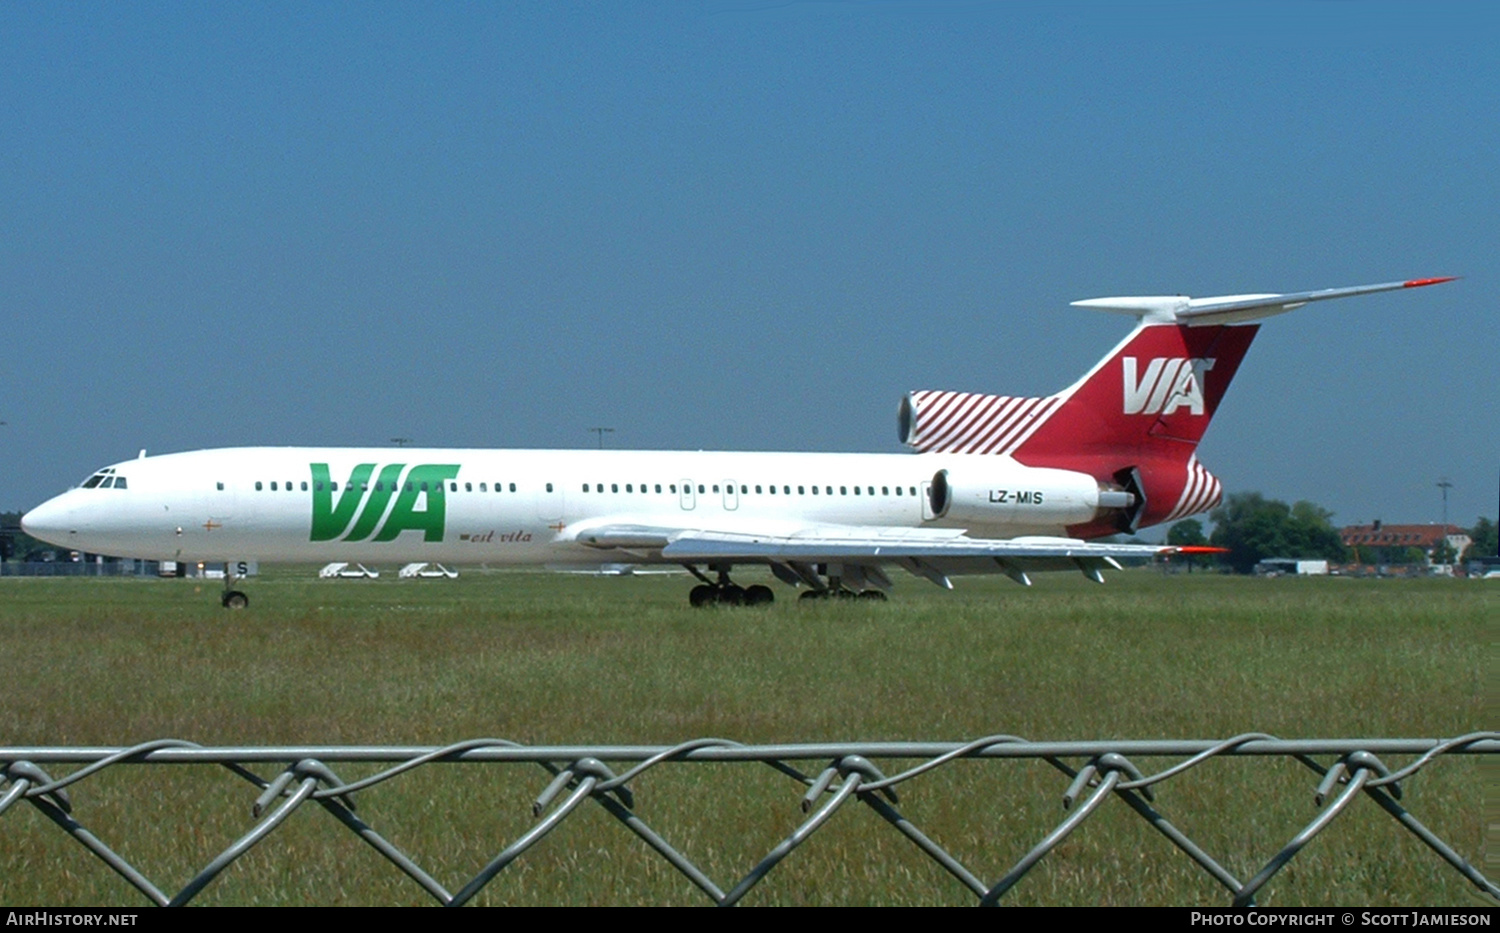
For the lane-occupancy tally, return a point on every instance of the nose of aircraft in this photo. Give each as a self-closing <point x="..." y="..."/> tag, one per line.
<point x="49" y="522"/>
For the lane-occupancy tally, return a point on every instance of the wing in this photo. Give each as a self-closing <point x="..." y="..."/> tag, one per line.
<point x="859" y="552"/>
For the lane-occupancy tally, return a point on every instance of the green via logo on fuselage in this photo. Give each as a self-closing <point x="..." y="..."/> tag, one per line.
<point x="334" y="516"/>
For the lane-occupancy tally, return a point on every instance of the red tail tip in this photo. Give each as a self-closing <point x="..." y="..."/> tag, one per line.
<point x="1418" y="283"/>
<point x="1199" y="549"/>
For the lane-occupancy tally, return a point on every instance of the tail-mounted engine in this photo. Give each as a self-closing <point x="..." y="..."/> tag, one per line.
<point x="967" y="422"/>
<point x="1000" y="493"/>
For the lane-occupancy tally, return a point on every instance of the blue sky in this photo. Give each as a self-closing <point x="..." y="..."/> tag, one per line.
<point x="739" y="225"/>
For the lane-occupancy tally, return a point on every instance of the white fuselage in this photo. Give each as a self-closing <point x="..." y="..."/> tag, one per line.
<point x="522" y="506"/>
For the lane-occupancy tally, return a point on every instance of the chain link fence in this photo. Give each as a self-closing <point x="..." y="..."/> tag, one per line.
<point x="821" y="778"/>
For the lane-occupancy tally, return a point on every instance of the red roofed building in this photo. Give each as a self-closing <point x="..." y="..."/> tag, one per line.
<point x="1379" y="542"/>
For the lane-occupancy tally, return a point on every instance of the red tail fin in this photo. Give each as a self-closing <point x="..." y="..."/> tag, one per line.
<point x="1141" y="413"/>
<point x="1138" y="416"/>
<point x="1135" y="419"/>
<point x="1152" y="397"/>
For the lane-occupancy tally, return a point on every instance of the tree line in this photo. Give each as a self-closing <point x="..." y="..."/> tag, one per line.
<point x="1253" y="528"/>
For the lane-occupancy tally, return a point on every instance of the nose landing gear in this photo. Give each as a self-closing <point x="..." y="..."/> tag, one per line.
<point x="232" y="598"/>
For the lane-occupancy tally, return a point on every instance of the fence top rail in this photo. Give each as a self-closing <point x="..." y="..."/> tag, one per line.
<point x="724" y="750"/>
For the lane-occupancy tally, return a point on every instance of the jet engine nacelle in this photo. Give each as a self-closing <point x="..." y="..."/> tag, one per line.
<point x="1034" y="497"/>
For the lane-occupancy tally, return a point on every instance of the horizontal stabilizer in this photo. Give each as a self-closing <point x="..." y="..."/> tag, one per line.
<point x="1234" y="309"/>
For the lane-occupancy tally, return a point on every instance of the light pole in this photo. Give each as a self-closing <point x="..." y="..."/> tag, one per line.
<point x="1444" y="484"/>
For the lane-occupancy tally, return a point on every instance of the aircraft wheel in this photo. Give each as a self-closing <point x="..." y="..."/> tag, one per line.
<point x="702" y="595"/>
<point x="732" y="595"/>
<point x="234" y="599"/>
<point x="814" y="594"/>
<point x="873" y="595"/>
<point x="759" y="595"/>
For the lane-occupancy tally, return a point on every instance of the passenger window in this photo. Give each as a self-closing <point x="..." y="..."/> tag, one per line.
<point x="786" y="490"/>
<point x="716" y="487"/>
<point x="468" y="487"/>
<point x="453" y="487"/>
<point x="658" y="487"/>
<point x="745" y="489"/>
<point x="380" y="487"/>
<point x="273" y="485"/>
<point x="884" y="491"/>
<point x="513" y="487"/>
<point x="614" y="487"/>
<point x="757" y="490"/>
<point x="304" y="485"/>
<point x="801" y="491"/>
<point x="872" y="490"/>
<point x="828" y="489"/>
<point x="257" y="485"/>
<point x="220" y="486"/>
<point x="424" y="487"/>
<point x="628" y="489"/>
<point x="898" y="490"/>
<point x="913" y="490"/>
<point x="700" y="487"/>
<point x="482" y="488"/>
<point x="856" y="490"/>
<point x="815" y="490"/>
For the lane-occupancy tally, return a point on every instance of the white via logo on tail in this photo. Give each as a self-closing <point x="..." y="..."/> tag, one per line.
<point x="1167" y="385"/>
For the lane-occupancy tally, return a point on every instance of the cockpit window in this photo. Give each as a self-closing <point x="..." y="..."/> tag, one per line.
<point x="105" y="479"/>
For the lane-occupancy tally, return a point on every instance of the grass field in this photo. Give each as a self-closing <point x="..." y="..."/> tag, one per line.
<point x="546" y="659"/>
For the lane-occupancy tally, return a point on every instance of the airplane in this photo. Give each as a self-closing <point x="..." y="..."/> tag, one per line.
<point x="997" y="484"/>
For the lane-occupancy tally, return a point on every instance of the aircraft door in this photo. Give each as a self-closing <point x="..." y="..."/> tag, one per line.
<point x="689" y="500"/>
<point x="549" y="503"/>
<point x="731" y="496"/>
<point x="927" y="513"/>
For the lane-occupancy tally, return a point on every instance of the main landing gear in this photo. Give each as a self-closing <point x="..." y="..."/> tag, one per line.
<point x="724" y="592"/>
<point x="875" y="595"/>
<point x="824" y="581"/>
<point x="836" y="581"/>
